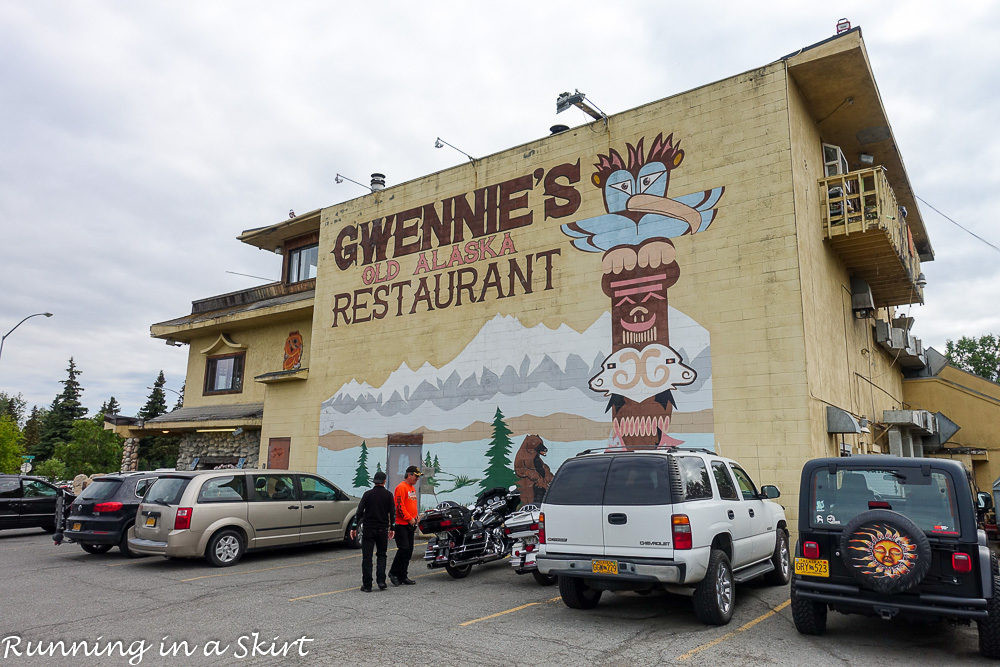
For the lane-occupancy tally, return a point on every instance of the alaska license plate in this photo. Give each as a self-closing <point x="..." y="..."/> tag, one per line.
<point x="151" y="522"/>
<point x="604" y="566"/>
<point x="812" y="568"/>
<point x="77" y="526"/>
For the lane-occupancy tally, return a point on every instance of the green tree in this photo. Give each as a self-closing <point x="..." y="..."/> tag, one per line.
<point x="91" y="449"/>
<point x="361" y="479"/>
<point x="51" y="469"/>
<point x="14" y="406"/>
<point x="109" y="407"/>
<point x="378" y="466"/>
<point x="11" y="445"/>
<point x="180" y="398"/>
<point x="429" y="483"/>
<point x="980" y="356"/>
<point x="65" y="410"/>
<point x="156" y="402"/>
<point x="33" y="428"/>
<point x="499" y="471"/>
<point x="157" y="451"/>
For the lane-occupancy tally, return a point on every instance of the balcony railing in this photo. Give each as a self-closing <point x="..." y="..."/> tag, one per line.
<point x="867" y="228"/>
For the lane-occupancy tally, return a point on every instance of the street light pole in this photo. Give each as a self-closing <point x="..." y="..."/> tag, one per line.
<point x="2" y="339"/>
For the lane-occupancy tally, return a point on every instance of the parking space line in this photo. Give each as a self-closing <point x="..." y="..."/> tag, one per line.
<point x="268" y="569"/>
<point x="353" y="588"/>
<point x="730" y="635"/>
<point x="509" y="611"/>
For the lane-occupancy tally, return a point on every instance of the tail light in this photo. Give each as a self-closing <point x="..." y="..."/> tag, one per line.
<point x="541" y="528"/>
<point x="961" y="562"/>
<point x="810" y="550"/>
<point x="107" y="507"/>
<point x="183" y="519"/>
<point x="529" y="548"/>
<point x="507" y="531"/>
<point x="681" y="526"/>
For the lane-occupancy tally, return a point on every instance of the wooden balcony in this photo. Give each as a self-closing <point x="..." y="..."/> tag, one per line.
<point x="865" y="226"/>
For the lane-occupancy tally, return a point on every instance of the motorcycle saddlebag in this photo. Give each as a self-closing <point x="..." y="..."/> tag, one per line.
<point x="444" y="519"/>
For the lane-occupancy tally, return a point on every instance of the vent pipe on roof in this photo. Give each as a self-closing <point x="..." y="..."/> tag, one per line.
<point x="378" y="182"/>
<point x="558" y="129"/>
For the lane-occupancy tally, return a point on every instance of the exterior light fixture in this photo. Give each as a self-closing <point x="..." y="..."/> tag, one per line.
<point x="4" y="337"/>
<point x="441" y="143"/>
<point x="867" y="159"/>
<point x="921" y="281"/>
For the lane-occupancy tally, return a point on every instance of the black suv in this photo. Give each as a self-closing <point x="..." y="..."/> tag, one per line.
<point x="101" y="516"/>
<point x="893" y="537"/>
<point x="29" y="502"/>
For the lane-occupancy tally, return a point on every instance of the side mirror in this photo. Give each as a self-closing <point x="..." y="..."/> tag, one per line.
<point x="985" y="501"/>
<point x="770" y="491"/>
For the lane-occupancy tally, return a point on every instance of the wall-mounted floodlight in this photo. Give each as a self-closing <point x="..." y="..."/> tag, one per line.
<point x="867" y="159"/>
<point x="340" y="179"/>
<point x="441" y="143"/>
<point x="580" y="101"/>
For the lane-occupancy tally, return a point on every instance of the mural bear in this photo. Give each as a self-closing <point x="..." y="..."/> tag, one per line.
<point x="533" y="473"/>
<point x="638" y="267"/>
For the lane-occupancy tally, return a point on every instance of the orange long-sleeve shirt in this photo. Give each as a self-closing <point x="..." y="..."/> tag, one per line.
<point x="405" y="497"/>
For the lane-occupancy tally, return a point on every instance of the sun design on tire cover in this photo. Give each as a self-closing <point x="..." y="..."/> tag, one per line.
<point x="883" y="551"/>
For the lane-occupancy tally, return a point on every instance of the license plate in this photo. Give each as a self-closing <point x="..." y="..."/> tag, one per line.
<point x="150" y="521"/>
<point x="604" y="566"/>
<point x="812" y="568"/>
<point x="77" y="526"/>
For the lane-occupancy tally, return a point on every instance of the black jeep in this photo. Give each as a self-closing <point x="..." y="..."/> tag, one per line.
<point x="893" y="537"/>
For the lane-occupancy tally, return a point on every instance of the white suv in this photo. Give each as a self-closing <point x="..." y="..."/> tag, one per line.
<point x="674" y="519"/>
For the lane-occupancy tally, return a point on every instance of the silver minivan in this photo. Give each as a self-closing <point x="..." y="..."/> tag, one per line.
<point x="220" y="514"/>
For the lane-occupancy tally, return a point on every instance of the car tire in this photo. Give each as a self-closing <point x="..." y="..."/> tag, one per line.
<point x="49" y="529"/>
<point x="225" y="548"/>
<point x="809" y="616"/>
<point x="124" y="548"/>
<point x="355" y="542"/>
<point x="781" y="559"/>
<point x="576" y="594"/>
<point x="544" y="579"/>
<point x="458" y="571"/>
<point x="865" y="534"/>
<point x="715" y="595"/>
<point x="989" y="629"/>
<point x="96" y="548"/>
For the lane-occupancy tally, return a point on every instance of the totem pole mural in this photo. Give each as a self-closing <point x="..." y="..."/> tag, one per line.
<point x="293" y="351"/>
<point x="638" y="267"/>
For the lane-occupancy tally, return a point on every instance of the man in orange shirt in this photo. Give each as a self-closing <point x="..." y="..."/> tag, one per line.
<point x="405" y="498"/>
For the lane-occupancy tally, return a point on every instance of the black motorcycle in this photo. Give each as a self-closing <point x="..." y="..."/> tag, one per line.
<point x="467" y="536"/>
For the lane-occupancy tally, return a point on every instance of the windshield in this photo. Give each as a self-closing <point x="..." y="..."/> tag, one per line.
<point x="166" y="491"/>
<point x="926" y="499"/>
<point x="100" y="489"/>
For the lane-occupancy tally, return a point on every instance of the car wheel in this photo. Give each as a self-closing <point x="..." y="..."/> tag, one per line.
<point x="885" y="551"/>
<point x="225" y="548"/>
<point x="95" y="548"/>
<point x="544" y="579"/>
<point x="352" y="543"/>
<point x="576" y="594"/>
<point x="782" y="562"/>
<point x="125" y="548"/>
<point x="809" y="616"/>
<point x="989" y="629"/>
<point x="458" y="571"/>
<point x="714" y="595"/>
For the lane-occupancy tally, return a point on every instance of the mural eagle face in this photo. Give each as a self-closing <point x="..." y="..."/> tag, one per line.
<point x="883" y="551"/>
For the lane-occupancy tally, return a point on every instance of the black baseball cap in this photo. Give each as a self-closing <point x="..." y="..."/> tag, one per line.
<point x="379" y="477"/>
<point x="414" y="470"/>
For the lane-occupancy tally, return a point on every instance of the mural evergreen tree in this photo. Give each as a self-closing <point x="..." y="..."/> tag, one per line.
<point x="361" y="479"/>
<point x="378" y="467"/>
<point x="429" y="483"/>
<point x="499" y="470"/>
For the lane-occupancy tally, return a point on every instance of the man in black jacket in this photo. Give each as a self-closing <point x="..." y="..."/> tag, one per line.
<point x="376" y="516"/>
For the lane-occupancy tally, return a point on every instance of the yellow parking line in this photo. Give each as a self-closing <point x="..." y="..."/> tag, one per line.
<point x="353" y="588"/>
<point x="509" y="611"/>
<point x="730" y="635"/>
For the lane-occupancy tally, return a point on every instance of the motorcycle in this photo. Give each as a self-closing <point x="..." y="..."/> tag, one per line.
<point x="467" y="536"/>
<point x="522" y="527"/>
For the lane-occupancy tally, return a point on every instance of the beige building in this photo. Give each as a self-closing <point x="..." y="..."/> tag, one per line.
<point x="726" y="268"/>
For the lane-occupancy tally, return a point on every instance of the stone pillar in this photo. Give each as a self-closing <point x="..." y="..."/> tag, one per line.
<point x="130" y="455"/>
<point x="895" y="441"/>
<point x="918" y="447"/>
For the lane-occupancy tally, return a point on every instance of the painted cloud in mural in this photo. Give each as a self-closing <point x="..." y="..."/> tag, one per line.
<point x="552" y="376"/>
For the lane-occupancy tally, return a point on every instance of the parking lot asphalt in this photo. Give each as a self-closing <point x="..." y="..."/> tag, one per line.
<point x="303" y="606"/>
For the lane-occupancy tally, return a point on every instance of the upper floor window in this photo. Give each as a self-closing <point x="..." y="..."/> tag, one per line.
<point x="224" y="374"/>
<point x="834" y="162"/>
<point x="302" y="263"/>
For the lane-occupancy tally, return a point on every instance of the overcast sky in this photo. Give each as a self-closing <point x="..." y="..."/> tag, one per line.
<point x="138" y="139"/>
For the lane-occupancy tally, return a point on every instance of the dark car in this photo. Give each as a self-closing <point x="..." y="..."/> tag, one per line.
<point x="893" y="537"/>
<point x="101" y="516"/>
<point x="29" y="502"/>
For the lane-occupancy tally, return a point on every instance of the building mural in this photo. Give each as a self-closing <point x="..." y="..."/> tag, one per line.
<point x="293" y="351"/>
<point x="618" y="383"/>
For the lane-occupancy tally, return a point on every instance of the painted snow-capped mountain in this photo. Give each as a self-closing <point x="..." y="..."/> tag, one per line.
<point x="522" y="370"/>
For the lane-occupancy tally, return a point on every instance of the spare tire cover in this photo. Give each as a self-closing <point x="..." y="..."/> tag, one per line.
<point x="885" y="551"/>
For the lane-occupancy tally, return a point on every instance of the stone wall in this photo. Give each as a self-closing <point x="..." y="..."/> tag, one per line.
<point x="221" y="444"/>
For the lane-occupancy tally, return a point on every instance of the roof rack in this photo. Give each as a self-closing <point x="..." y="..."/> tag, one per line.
<point x="654" y="448"/>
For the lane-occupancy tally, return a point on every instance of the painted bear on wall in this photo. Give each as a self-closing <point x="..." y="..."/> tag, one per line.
<point x="533" y="473"/>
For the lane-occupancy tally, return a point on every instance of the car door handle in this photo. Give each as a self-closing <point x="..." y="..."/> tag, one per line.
<point x="751" y="512"/>
<point x="617" y="519"/>
<point x="308" y="507"/>
<point x="732" y="515"/>
<point x="293" y="507"/>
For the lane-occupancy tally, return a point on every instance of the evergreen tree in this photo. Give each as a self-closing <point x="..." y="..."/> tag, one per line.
<point x="361" y="479"/>
<point x="180" y="398"/>
<point x="91" y="449"/>
<point x="13" y="406"/>
<point x="11" y="441"/>
<point x="33" y="428"/>
<point x="111" y="407"/>
<point x="65" y="410"/>
<point x="499" y="471"/>
<point x="156" y="402"/>
<point x="429" y="483"/>
<point x="378" y="467"/>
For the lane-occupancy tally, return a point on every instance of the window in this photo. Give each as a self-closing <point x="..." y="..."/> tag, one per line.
<point x="273" y="487"/>
<point x="579" y="482"/>
<point x="747" y="487"/>
<point x="101" y="489"/>
<point x="142" y="485"/>
<point x="224" y="374"/>
<point x="638" y="480"/>
<point x="723" y="480"/>
<point x="302" y="263"/>
<point x="694" y="478"/>
<point x="228" y="489"/>
<point x="834" y="162"/>
<point x="166" y="491"/>
<point x="314" y="488"/>
<point x="10" y="488"/>
<point x="33" y="489"/>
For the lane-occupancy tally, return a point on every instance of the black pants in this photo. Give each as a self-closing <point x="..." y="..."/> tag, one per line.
<point x="374" y="539"/>
<point x="404" y="551"/>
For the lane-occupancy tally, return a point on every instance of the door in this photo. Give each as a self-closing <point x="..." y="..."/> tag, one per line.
<point x="735" y="514"/>
<point x="762" y="536"/>
<point x="574" y="508"/>
<point x="637" y="507"/>
<point x="277" y="453"/>
<point x="404" y="450"/>
<point x="38" y="503"/>
<point x="274" y="510"/>
<point x="324" y="509"/>
<point x="10" y="501"/>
